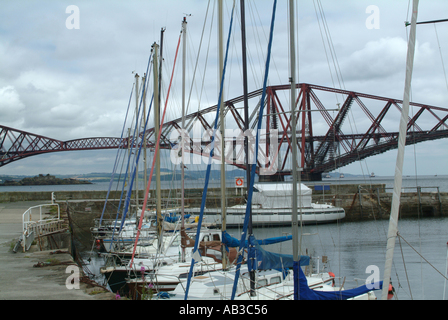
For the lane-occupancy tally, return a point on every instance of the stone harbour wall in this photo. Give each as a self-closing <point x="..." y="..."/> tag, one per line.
<point x="361" y="202"/>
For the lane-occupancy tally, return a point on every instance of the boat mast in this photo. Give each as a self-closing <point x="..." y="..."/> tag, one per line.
<point x="222" y="126"/>
<point x="292" y="79"/>
<point x="145" y="155"/>
<point x="184" y="59"/>
<point x="156" y="132"/>
<point x="393" y="222"/>
<point x="136" y="140"/>
<point x="246" y="126"/>
<point x="446" y="272"/>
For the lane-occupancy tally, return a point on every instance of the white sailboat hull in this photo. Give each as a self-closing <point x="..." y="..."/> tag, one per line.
<point x="271" y="217"/>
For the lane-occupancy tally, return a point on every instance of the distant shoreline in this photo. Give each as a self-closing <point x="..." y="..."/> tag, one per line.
<point x="43" y="180"/>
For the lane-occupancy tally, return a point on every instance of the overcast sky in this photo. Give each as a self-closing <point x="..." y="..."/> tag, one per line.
<point x="75" y="83"/>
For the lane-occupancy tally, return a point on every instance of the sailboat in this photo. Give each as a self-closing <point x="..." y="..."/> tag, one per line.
<point x="267" y="273"/>
<point x="272" y="207"/>
<point x="167" y="275"/>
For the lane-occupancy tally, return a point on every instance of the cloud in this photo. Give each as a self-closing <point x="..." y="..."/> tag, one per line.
<point x="69" y="84"/>
<point x="381" y="58"/>
<point x="11" y="107"/>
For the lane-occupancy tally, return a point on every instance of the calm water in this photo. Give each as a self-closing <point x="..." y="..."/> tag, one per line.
<point x="352" y="247"/>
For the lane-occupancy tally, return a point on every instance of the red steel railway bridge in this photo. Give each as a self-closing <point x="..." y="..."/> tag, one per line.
<point x="326" y="119"/>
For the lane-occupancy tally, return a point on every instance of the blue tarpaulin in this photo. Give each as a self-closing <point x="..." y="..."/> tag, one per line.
<point x="305" y="293"/>
<point x="232" y="242"/>
<point x="173" y="218"/>
<point x="265" y="260"/>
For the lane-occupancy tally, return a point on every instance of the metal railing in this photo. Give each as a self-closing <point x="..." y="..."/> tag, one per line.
<point x="27" y="217"/>
<point x="43" y="226"/>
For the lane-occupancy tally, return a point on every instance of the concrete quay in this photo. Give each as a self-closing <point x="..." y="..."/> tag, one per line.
<point x="21" y="280"/>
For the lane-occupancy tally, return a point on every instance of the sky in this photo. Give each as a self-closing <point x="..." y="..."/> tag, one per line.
<point x="68" y="74"/>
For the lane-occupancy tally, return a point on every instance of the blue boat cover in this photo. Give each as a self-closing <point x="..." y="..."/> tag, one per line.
<point x="232" y="242"/>
<point x="173" y="218"/>
<point x="265" y="260"/>
<point x="305" y="293"/>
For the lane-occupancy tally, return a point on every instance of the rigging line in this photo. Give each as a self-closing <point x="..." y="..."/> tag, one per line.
<point x="399" y="235"/>
<point x="154" y="159"/>
<point x="336" y="67"/>
<point x="252" y="8"/>
<point x="122" y="192"/>
<point x="251" y="189"/>
<point x="207" y="176"/>
<point x="407" y="24"/>
<point x="419" y="207"/>
<point x="259" y="48"/>
<point x="409" y="8"/>
<point x="134" y="171"/>
<point x="197" y="58"/>
<point x="127" y="168"/>
<point x="325" y="49"/>
<point x="331" y="46"/>
<point x="206" y="59"/>
<point x="446" y="270"/>
<point x="441" y="57"/>
<point x="135" y="140"/>
<point x="405" y="269"/>
<point x="117" y="157"/>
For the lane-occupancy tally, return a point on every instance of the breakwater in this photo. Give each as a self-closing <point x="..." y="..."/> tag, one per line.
<point x="360" y="201"/>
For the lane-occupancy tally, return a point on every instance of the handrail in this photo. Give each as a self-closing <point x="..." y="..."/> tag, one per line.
<point x="27" y="215"/>
<point x="40" y="227"/>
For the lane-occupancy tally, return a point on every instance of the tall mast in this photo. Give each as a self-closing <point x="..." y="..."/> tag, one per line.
<point x="145" y="155"/>
<point x="293" y="128"/>
<point x="295" y="222"/>
<point x="246" y="125"/>
<point x="184" y="59"/>
<point x="158" y="182"/>
<point x="393" y="222"/>
<point x="222" y="126"/>
<point x="156" y="132"/>
<point x="136" y="130"/>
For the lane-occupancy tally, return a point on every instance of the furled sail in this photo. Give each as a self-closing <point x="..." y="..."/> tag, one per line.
<point x="265" y="260"/>
<point x="305" y="293"/>
<point x="232" y="242"/>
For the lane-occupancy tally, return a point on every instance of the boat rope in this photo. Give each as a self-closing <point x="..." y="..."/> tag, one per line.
<point x="129" y="159"/>
<point x="197" y="59"/>
<point x="405" y="269"/>
<point x="212" y="149"/>
<point x="254" y="165"/>
<point x="155" y="156"/>
<point x="323" y="42"/>
<point x="446" y="270"/>
<point x="117" y="157"/>
<point x="135" y="160"/>
<point x="441" y="57"/>
<point x="400" y="236"/>
<point x="205" y="69"/>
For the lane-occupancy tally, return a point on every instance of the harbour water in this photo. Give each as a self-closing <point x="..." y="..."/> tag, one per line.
<point x="352" y="247"/>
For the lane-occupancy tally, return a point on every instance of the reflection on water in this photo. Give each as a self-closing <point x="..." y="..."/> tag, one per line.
<point x="92" y="262"/>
